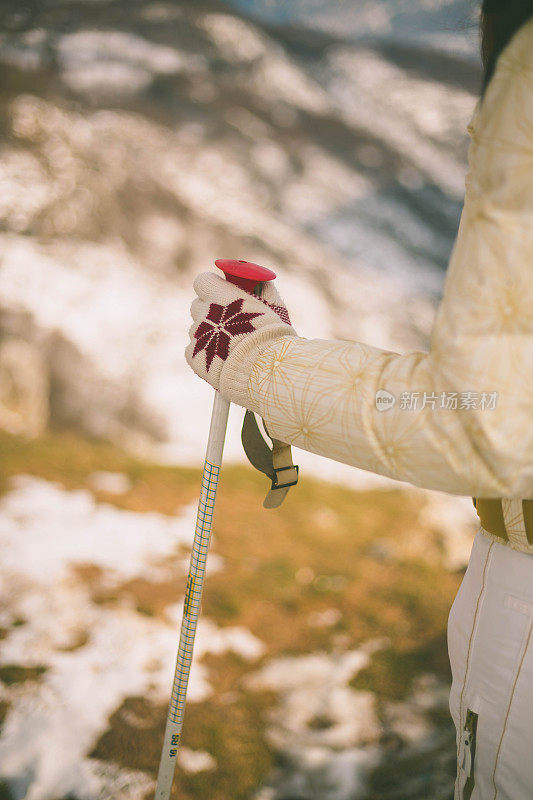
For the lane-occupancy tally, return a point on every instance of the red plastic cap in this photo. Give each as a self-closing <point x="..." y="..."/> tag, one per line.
<point x="244" y="274"/>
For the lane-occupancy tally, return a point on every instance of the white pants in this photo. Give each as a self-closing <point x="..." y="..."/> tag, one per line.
<point x="490" y="644"/>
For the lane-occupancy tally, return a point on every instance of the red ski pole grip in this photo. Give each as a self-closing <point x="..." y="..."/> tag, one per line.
<point x="244" y="274"/>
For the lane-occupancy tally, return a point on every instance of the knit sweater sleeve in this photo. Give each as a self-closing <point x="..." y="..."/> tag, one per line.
<point x="320" y="395"/>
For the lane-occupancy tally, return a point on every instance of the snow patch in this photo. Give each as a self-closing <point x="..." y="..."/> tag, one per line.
<point x="111" y="482"/>
<point x="95" y="655"/>
<point x="195" y="760"/>
<point x="422" y="120"/>
<point x="315" y="687"/>
<point x="456" y="520"/>
<point x="326" y="731"/>
<point x="113" y="61"/>
<point x="236" y="39"/>
<point x="46" y="530"/>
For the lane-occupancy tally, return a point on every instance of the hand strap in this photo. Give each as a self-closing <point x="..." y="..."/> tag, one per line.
<point x="275" y="462"/>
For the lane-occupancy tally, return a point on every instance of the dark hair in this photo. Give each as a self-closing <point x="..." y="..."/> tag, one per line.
<point x="500" y="19"/>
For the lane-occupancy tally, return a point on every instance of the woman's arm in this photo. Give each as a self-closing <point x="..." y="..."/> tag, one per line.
<point x="321" y="395"/>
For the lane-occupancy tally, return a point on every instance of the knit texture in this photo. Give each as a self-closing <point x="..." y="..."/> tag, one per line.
<point x="235" y="373"/>
<point x="230" y="328"/>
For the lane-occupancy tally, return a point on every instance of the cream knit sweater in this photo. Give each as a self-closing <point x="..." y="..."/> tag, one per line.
<point x="321" y="395"/>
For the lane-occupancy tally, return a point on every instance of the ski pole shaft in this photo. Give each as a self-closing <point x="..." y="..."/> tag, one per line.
<point x="247" y="276"/>
<point x="193" y="595"/>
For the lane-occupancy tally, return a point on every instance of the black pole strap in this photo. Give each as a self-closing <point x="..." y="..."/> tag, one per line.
<point x="276" y="463"/>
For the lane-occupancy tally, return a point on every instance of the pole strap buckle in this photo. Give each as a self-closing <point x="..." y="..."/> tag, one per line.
<point x="288" y="480"/>
<point x="271" y="461"/>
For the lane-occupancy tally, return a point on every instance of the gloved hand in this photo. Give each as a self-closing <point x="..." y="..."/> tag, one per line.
<point x="230" y="328"/>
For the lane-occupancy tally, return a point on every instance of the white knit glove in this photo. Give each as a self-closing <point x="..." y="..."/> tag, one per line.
<point x="230" y="328"/>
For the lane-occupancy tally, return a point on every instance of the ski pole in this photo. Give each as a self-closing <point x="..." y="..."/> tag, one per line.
<point x="249" y="277"/>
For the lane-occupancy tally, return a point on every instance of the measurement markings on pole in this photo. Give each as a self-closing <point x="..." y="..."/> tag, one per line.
<point x="203" y="531"/>
<point x="193" y="592"/>
<point x="191" y="582"/>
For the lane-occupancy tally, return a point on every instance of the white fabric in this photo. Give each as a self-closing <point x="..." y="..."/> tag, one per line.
<point x="268" y="323"/>
<point x="490" y="644"/>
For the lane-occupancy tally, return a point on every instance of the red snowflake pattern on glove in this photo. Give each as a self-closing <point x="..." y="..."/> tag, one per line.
<point x="281" y="311"/>
<point x="227" y="321"/>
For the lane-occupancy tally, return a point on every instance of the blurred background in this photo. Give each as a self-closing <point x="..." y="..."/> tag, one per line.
<point x="140" y="141"/>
